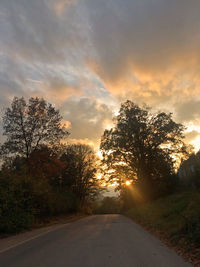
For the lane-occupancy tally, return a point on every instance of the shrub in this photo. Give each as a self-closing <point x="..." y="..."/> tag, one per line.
<point x="16" y="206"/>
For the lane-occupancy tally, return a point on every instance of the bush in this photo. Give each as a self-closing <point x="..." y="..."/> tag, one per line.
<point x="24" y="199"/>
<point x="62" y="202"/>
<point x="109" y="205"/>
<point x="16" y="206"/>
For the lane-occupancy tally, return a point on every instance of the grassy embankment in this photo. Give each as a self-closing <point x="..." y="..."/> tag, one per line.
<point x="176" y="219"/>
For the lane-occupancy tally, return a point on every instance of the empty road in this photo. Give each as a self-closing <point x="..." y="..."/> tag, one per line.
<point x="94" y="241"/>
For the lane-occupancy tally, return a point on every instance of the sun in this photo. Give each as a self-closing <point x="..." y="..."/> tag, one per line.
<point x="128" y="183"/>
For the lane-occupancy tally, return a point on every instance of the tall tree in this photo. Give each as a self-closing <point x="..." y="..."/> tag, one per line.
<point x="79" y="175"/>
<point x="189" y="171"/>
<point x="141" y="145"/>
<point x="27" y="125"/>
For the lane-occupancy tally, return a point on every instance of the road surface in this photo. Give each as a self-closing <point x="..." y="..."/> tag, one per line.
<point x="94" y="241"/>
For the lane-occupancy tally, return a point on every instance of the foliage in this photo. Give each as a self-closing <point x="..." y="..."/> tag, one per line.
<point x="23" y="199"/>
<point x="27" y="125"/>
<point x="79" y="174"/>
<point x="141" y="147"/>
<point x="177" y="215"/>
<point x="108" y="205"/>
<point x="189" y="172"/>
<point x="40" y="177"/>
<point x="44" y="163"/>
<point x="16" y="205"/>
<point x="46" y="184"/>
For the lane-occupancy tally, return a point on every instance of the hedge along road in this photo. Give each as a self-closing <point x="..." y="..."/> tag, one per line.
<point x="94" y="241"/>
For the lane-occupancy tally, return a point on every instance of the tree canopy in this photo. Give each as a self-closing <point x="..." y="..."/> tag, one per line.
<point x="80" y="171"/>
<point x="142" y="146"/>
<point x="27" y="125"/>
<point x="40" y="175"/>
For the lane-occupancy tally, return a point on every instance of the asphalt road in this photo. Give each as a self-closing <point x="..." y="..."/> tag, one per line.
<point x="94" y="241"/>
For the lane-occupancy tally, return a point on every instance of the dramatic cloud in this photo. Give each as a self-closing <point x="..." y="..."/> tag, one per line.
<point x="189" y="110"/>
<point x="88" y="118"/>
<point x="141" y="38"/>
<point x="190" y="136"/>
<point x="58" y="89"/>
<point x="33" y="31"/>
<point x="79" y="54"/>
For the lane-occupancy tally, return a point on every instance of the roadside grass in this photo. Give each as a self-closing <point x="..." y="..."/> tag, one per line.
<point x="176" y="218"/>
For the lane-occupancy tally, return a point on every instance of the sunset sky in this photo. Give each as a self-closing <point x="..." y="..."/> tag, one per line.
<point x="87" y="56"/>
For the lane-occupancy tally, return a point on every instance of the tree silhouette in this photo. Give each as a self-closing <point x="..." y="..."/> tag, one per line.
<point x="142" y="146"/>
<point x="27" y="125"/>
<point x="79" y="174"/>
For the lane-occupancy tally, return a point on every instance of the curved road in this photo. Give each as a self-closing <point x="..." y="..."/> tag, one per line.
<point x="94" y="241"/>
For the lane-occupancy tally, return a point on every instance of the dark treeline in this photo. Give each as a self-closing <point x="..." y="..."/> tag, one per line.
<point x="108" y="205"/>
<point x="145" y="149"/>
<point x="157" y="174"/>
<point x="189" y="172"/>
<point x="40" y="177"/>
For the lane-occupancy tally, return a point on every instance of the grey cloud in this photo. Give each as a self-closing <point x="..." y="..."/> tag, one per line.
<point x="97" y="43"/>
<point x="146" y="35"/>
<point x="190" y="136"/>
<point x="122" y="36"/>
<point x="87" y="117"/>
<point x="41" y="40"/>
<point x="35" y="32"/>
<point x="12" y="80"/>
<point x="58" y="89"/>
<point x="188" y="110"/>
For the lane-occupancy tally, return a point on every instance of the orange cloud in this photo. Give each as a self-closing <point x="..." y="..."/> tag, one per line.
<point x="67" y="124"/>
<point x="57" y="89"/>
<point x="60" y="5"/>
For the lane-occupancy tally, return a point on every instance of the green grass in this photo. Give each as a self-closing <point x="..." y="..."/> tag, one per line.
<point x="177" y="216"/>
